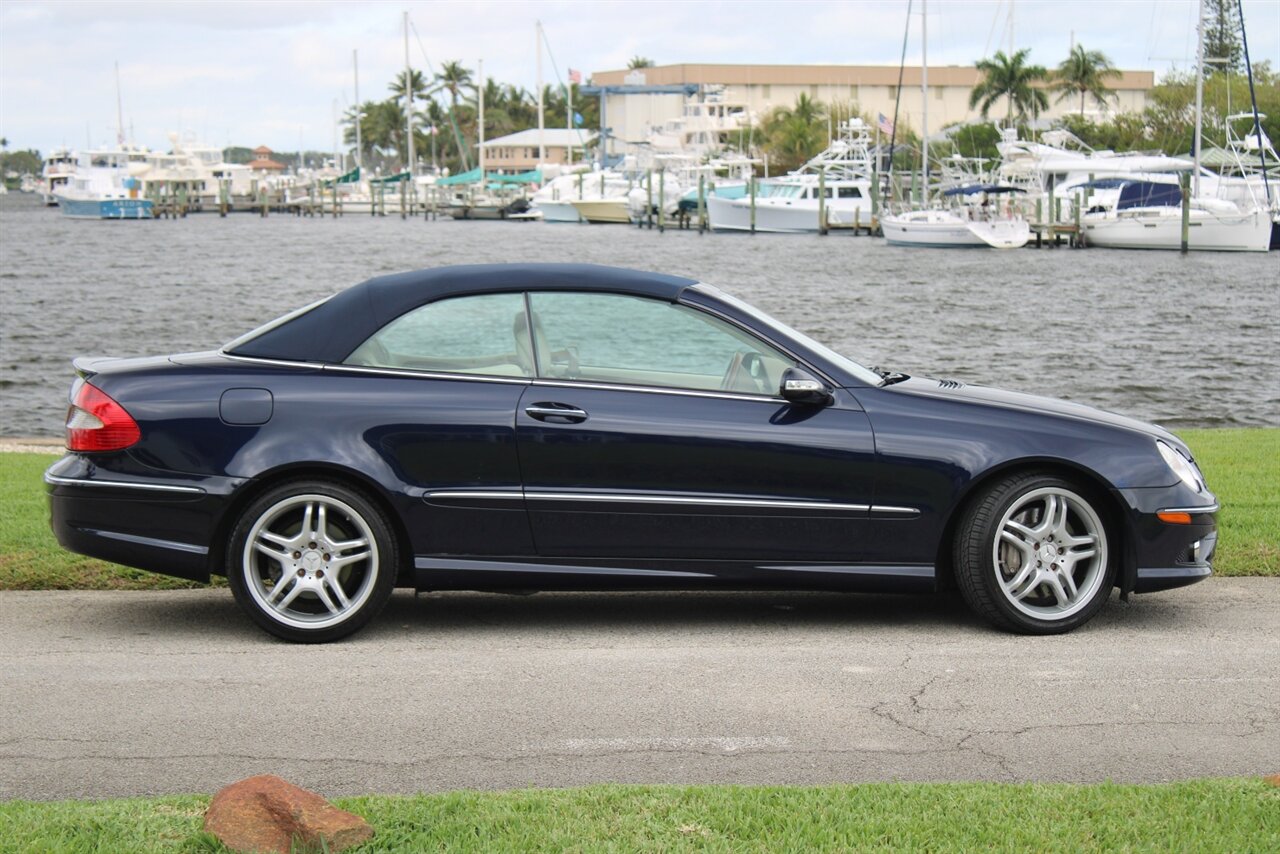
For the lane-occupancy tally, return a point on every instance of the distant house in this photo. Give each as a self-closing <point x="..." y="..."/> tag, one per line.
<point x="262" y="161"/>
<point x="518" y="152"/>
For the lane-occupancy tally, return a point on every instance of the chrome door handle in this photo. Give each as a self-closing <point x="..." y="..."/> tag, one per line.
<point x="559" y="413"/>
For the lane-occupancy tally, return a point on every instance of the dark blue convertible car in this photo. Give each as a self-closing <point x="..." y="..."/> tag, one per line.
<point x="553" y="427"/>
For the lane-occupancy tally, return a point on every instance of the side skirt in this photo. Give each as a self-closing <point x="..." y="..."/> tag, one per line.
<point x="461" y="573"/>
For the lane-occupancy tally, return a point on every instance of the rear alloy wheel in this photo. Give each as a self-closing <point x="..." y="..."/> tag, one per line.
<point x="1032" y="555"/>
<point x="312" y="561"/>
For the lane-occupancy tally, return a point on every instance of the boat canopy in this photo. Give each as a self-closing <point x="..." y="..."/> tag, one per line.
<point x="470" y="177"/>
<point x="533" y="176"/>
<point x="352" y="177"/>
<point x="974" y="189"/>
<point x="391" y="179"/>
<point x="473" y="176"/>
<point x="1146" y="194"/>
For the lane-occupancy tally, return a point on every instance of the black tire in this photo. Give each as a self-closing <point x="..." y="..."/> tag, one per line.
<point x="1020" y="570"/>
<point x="322" y="562"/>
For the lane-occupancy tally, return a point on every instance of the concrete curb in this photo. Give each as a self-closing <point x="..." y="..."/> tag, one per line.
<point x="19" y="445"/>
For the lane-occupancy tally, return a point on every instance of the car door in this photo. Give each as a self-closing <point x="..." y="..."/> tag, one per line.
<point x="443" y="382"/>
<point x="655" y="430"/>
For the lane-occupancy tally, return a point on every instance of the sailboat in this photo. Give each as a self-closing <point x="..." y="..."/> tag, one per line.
<point x="962" y="225"/>
<point x="1149" y="215"/>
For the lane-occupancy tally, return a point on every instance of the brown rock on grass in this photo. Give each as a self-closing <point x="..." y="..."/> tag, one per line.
<point x="1274" y="780"/>
<point x="267" y="814"/>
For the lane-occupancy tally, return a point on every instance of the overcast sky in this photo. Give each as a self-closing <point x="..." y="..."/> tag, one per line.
<point x="251" y="73"/>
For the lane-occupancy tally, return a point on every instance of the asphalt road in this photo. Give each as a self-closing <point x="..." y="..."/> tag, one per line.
<point x="115" y="694"/>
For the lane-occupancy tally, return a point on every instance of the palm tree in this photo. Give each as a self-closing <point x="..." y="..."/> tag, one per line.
<point x="417" y="83"/>
<point x="1084" y="71"/>
<point x="795" y="134"/>
<point x="455" y="80"/>
<point x="1010" y="77"/>
<point x="498" y="116"/>
<point x="639" y="62"/>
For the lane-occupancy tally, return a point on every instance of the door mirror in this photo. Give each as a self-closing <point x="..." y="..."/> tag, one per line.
<point x="801" y="387"/>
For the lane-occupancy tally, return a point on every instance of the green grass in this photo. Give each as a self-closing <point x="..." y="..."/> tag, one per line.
<point x="31" y="559"/>
<point x="1242" y="467"/>
<point x="1205" y="815"/>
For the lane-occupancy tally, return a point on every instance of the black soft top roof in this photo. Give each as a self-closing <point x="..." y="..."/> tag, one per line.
<point x="331" y="330"/>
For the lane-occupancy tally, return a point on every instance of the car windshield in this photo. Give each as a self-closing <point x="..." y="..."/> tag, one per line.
<point x="267" y="327"/>
<point x="864" y="374"/>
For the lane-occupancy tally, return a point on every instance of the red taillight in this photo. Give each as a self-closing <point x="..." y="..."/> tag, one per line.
<point x="95" y="422"/>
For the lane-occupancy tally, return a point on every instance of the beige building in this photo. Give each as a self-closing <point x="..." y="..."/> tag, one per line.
<point x="518" y="152"/>
<point x="873" y="88"/>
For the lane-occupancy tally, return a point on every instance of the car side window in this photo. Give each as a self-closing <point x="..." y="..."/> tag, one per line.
<point x="629" y="340"/>
<point x="484" y="334"/>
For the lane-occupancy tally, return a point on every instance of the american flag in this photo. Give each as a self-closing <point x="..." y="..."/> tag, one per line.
<point x="884" y="124"/>
<point x="575" y="77"/>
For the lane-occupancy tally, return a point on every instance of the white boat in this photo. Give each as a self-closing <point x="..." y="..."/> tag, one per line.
<point x="1149" y="216"/>
<point x="1253" y="162"/>
<point x="981" y="215"/>
<point x="791" y="204"/>
<point x="606" y="210"/>
<point x="554" y="199"/>
<point x="951" y="228"/>
<point x="102" y="188"/>
<point x="58" y="168"/>
<point x="667" y="165"/>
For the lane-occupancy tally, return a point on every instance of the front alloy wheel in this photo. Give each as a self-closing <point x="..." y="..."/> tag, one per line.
<point x="312" y="561"/>
<point x="1032" y="555"/>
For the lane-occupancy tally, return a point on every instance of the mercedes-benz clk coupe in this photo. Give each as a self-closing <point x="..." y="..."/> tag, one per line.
<point x="572" y="427"/>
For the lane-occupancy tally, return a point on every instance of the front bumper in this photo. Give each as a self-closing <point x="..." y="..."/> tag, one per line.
<point x="1161" y="555"/>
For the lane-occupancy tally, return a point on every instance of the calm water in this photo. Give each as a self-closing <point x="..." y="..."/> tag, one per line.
<point x="1191" y="341"/>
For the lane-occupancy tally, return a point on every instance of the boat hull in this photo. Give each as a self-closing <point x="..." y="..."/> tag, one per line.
<point x="933" y="228"/>
<point x="558" y="211"/>
<point x="106" y="208"/>
<point x="1207" y="232"/>
<point x="782" y="216"/>
<point x="603" y="210"/>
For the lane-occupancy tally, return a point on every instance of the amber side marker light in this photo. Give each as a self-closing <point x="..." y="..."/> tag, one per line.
<point x="1174" y="518"/>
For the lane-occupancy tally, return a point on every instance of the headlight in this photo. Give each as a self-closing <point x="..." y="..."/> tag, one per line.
<point x="1181" y="466"/>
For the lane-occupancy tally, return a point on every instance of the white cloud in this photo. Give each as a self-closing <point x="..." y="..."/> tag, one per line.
<point x="258" y="72"/>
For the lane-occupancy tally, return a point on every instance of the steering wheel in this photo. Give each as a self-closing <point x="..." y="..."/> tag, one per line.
<point x="746" y="364"/>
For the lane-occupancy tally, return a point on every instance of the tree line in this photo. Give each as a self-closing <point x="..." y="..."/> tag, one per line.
<point x="445" y="116"/>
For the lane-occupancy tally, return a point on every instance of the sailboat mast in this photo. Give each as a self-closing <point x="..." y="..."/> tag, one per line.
<point x="408" y="101"/>
<point x="1195" y="176"/>
<point x="119" y="109"/>
<point x="355" y="63"/>
<point x="480" y="123"/>
<point x="924" y="92"/>
<point x="1253" y="99"/>
<point x="537" y="39"/>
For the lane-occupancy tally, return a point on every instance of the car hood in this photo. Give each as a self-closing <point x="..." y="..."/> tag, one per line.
<point x="1016" y="400"/>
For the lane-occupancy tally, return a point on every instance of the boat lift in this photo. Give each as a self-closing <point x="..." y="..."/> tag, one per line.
<point x="685" y="89"/>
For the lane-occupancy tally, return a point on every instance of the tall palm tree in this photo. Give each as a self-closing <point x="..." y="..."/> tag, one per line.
<point x="417" y="85"/>
<point x="455" y="80"/>
<point x="1084" y="72"/>
<point x="639" y="62"/>
<point x="1010" y="77"/>
<point x="795" y="134"/>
